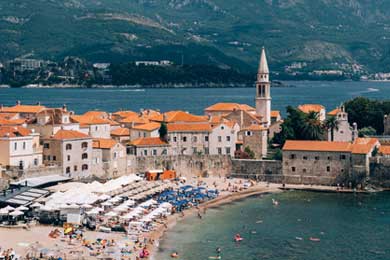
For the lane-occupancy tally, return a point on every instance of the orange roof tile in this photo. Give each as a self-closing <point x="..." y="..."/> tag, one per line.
<point x="69" y="134"/>
<point x="12" y="122"/>
<point x="306" y="108"/>
<point x="275" y="113"/>
<point x="334" y="112"/>
<point x="13" y="131"/>
<point x="100" y="114"/>
<point x="229" y="107"/>
<point x="121" y="132"/>
<point x="102" y="143"/>
<point x="178" y="116"/>
<point x="23" y="109"/>
<point x="317" y="146"/>
<point x="125" y="113"/>
<point x="135" y="120"/>
<point x="201" y="127"/>
<point x="364" y="145"/>
<point x="8" y="116"/>
<point x="149" y="141"/>
<point x="87" y="120"/>
<point x="148" y="127"/>
<point x="384" y="150"/>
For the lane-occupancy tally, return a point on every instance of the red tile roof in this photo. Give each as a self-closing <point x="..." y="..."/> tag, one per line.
<point x="13" y="131"/>
<point x="334" y="112"/>
<point x="317" y="146"/>
<point x="69" y="134"/>
<point x="149" y="141"/>
<point x="384" y="150"/>
<point x="193" y="127"/>
<point x="23" y="109"/>
<point x="254" y="128"/>
<point x="229" y="107"/>
<point x="102" y="143"/>
<point x="121" y="132"/>
<point x="306" y="108"/>
<point x="148" y="127"/>
<point x="178" y="116"/>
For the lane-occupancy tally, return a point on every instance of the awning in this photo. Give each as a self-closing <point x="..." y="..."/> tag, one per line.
<point x="41" y="180"/>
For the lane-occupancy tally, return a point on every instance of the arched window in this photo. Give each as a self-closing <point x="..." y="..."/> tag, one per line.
<point x="68" y="147"/>
<point x="67" y="170"/>
<point x="84" y="167"/>
<point x="84" y="156"/>
<point x="84" y="145"/>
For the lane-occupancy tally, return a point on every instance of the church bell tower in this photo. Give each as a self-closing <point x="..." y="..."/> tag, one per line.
<point x="263" y="91"/>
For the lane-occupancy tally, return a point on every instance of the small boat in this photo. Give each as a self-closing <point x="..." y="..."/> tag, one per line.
<point x="314" y="239"/>
<point x="275" y="202"/>
<point x="215" y="257"/>
<point x="299" y="238"/>
<point x="238" y="238"/>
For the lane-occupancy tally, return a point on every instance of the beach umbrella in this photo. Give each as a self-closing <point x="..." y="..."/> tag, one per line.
<point x="4" y="211"/>
<point x="86" y="206"/>
<point x="9" y="208"/>
<point x="104" y="197"/>
<point x="106" y="203"/>
<point x="98" y="209"/>
<point x="120" y="209"/>
<point x="16" y="213"/>
<point x="36" y="205"/>
<point x="111" y="214"/>
<point x="22" y="208"/>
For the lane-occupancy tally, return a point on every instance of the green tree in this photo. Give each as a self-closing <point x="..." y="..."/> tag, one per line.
<point x="163" y="131"/>
<point x="249" y="152"/>
<point x="312" y="128"/>
<point x="331" y="124"/>
<point x="367" y="131"/>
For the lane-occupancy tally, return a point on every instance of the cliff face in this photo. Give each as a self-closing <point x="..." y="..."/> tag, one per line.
<point x="322" y="33"/>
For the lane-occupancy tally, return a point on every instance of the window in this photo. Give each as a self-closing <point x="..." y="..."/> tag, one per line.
<point x="174" y="139"/>
<point x="206" y="150"/>
<point x="115" y="155"/>
<point x="68" y="147"/>
<point x="139" y="134"/>
<point x="144" y="134"/>
<point x="84" y="167"/>
<point x="184" y="138"/>
<point x="24" y="145"/>
<point x="48" y="157"/>
<point x="164" y="152"/>
<point x="84" y="145"/>
<point x="227" y="150"/>
<point x="75" y="168"/>
<point x="219" y="138"/>
<point x="328" y="168"/>
<point x="44" y="158"/>
<point x="146" y="152"/>
<point x="36" y="162"/>
<point x="154" y="152"/>
<point x="96" y="128"/>
<point x="329" y="158"/>
<point x="343" y="157"/>
<point x="304" y="157"/>
<point x="222" y="127"/>
<point x="194" y="150"/>
<point x="206" y="138"/>
<point x="304" y="170"/>
<point x="54" y="158"/>
<point x="67" y="170"/>
<point x="68" y="158"/>
<point x="194" y="139"/>
<point x="293" y="156"/>
<point x="228" y="138"/>
<point x="317" y="158"/>
<point x="15" y="146"/>
<point x="84" y="156"/>
<point x="248" y="133"/>
<point x="46" y="145"/>
<point x="293" y="169"/>
<point x="219" y="150"/>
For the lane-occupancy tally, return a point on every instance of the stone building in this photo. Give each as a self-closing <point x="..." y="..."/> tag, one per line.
<point x="19" y="147"/>
<point x="109" y="159"/>
<point x="72" y="150"/>
<point x="328" y="160"/>
<point x="255" y="137"/>
<point x="223" y="139"/>
<point x="344" y="131"/>
<point x="121" y="135"/>
<point x="145" y="130"/>
<point x="149" y="146"/>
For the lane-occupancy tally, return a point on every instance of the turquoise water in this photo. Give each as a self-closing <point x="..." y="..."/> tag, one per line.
<point x="349" y="227"/>
<point x="330" y="94"/>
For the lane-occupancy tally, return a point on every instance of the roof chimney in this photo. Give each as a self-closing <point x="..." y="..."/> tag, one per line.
<point x="38" y="103"/>
<point x="18" y="102"/>
<point x="64" y="108"/>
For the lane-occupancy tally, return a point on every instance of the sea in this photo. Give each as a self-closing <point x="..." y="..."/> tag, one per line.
<point x="346" y="227"/>
<point x="194" y="100"/>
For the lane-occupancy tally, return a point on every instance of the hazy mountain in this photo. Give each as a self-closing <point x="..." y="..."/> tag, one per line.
<point x="224" y="32"/>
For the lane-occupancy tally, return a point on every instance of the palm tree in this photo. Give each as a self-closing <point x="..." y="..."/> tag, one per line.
<point x="331" y="124"/>
<point x="312" y="128"/>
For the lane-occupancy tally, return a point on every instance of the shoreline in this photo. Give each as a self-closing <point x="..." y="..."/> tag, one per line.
<point x="258" y="189"/>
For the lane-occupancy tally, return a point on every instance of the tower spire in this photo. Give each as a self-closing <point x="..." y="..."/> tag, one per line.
<point x="263" y="66"/>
